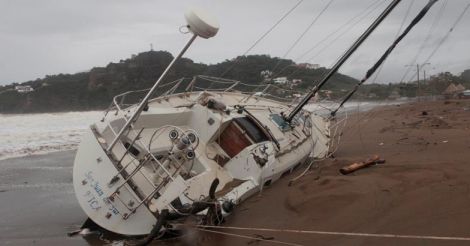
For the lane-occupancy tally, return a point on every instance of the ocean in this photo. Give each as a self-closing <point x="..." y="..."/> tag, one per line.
<point x="31" y="134"/>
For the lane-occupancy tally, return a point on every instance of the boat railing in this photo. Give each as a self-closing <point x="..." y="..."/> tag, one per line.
<point x="281" y="93"/>
<point x="128" y="173"/>
<point x="122" y="103"/>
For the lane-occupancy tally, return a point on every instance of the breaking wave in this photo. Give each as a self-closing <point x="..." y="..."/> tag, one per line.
<point x="30" y="134"/>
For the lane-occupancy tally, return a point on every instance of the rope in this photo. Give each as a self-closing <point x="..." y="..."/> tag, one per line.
<point x="352" y="234"/>
<point x="248" y="237"/>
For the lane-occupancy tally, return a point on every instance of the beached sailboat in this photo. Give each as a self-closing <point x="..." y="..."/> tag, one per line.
<point x="191" y="152"/>
<point x="200" y="148"/>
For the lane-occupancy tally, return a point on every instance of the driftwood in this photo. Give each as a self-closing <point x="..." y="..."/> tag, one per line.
<point x="359" y="165"/>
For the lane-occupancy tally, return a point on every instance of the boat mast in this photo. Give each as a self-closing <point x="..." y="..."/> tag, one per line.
<point x="200" y="24"/>
<point x="343" y="59"/>
<point x="384" y="56"/>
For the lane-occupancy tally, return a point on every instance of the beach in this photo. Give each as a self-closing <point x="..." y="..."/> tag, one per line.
<point x="37" y="203"/>
<point x="423" y="188"/>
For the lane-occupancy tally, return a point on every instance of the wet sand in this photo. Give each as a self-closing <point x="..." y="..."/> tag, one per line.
<point x="37" y="203"/>
<point x="422" y="189"/>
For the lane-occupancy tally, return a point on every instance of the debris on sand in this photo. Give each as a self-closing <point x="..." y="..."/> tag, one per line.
<point x="359" y="165"/>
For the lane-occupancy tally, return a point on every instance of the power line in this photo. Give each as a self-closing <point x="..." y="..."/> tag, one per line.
<point x="262" y="37"/>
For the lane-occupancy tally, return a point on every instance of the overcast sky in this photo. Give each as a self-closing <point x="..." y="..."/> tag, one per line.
<point x="44" y="37"/>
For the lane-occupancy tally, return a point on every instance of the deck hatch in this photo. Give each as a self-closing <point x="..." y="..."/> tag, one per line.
<point x="239" y="134"/>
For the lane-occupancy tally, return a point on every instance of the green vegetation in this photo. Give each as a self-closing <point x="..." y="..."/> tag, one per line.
<point x="95" y="89"/>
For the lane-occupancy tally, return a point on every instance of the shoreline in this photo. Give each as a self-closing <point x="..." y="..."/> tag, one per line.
<point x="36" y="145"/>
<point x="37" y="154"/>
<point x="37" y="202"/>
<point x="422" y="189"/>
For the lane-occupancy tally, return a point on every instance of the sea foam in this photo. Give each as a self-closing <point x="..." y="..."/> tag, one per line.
<point x="29" y="134"/>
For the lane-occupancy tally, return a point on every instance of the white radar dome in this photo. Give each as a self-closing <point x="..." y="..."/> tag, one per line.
<point x="201" y="23"/>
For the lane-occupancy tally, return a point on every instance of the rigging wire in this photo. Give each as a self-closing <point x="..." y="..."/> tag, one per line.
<point x="348" y="22"/>
<point x="342" y="34"/>
<point x="447" y="34"/>
<point x="361" y="15"/>
<point x="303" y="34"/>
<point x="371" y="71"/>
<point x="262" y="37"/>
<point x="396" y="36"/>
<point x="336" y="39"/>
<point x="428" y="36"/>
<point x="343" y="59"/>
<point x="370" y="114"/>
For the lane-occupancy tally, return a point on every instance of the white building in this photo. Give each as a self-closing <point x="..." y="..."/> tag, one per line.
<point x="23" y="88"/>
<point x="309" y="65"/>
<point x="280" y="80"/>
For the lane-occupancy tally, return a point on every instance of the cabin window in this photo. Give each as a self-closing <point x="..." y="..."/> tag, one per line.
<point x="253" y="131"/>
<point x="239" y="134"/>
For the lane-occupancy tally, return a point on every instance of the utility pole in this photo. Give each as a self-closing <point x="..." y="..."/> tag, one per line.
<point x="418" y="67"/>
<point x="418" y="93"/>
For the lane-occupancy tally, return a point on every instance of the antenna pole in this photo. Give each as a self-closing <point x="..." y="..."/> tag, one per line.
<point x="141" y="106"/>
<point x="343" y="59"/>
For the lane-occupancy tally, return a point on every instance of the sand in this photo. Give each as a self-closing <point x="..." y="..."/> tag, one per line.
<point x="422" y="189"/>
<point x="37" y="203"/>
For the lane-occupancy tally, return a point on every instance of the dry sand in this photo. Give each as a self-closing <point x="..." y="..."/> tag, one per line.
<point x="423" y="189"/>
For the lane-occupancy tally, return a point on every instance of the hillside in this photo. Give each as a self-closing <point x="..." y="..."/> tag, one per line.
<point x="95" y="89"/>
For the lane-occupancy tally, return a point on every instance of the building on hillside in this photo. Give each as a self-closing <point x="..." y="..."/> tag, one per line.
<point x="23" y="88"/>
<point x="294" y="83"/>
<point x="372" y="95"/>
<point x="266" y="75"/>
<point x="308" y="65"/>
<point x="280" y="80"/>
